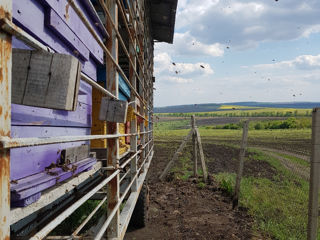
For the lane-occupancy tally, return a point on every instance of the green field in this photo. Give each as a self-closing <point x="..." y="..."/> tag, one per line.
<point x="243" y="111"/>
<point x="278" y="204"/>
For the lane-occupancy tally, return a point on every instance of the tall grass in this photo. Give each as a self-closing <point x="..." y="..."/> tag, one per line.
<point x="279" y="205"/>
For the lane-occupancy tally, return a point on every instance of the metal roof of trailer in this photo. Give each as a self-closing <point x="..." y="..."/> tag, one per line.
<point x="163" y="16"/>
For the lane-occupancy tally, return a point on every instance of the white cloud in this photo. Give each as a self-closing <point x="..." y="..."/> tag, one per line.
<point x="246" y="23"/>
<point x="186" y="45"/>
<point x="177" y="72"/>
<point x="204" y="31"/>
<point x="303" y="62"/>
<point x="179" y="80"/>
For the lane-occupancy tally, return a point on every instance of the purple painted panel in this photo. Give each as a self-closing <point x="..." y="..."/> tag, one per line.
<point x="87" y="7"/>
<point x="31" y="160"/>
<point x="70" y="17"/>
<point x="84" y="95"/>
<point x="27" y="201"/>
<point x="61" y="29"/>
<point x="56" y="25"/>
<point x="27" y="189"/>
<point x="16" y="43"/>
<point x="26" y="115"/>
<point x="22" y="12"/>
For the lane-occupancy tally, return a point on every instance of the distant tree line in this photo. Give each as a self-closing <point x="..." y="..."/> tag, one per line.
<point x="290" y="123"/>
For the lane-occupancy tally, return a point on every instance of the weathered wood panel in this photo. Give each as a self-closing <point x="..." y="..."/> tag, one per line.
<point x="112" y="110"/>
<point x="45" y="80"/>
<point x="74" y="154"/>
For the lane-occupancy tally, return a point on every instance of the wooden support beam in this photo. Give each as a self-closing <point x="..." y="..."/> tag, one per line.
<point x="242" y="153"/>
<point x="143" y="108"/>
<point x="5" y="120"/>
<point x="312" y="230"/>
<point x="203" y="162"/>
<point x="113" y="187"/>
<point x="133" y="122"/>
<point x="175" y="156"/>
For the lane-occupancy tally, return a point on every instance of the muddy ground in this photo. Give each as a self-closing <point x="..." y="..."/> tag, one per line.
<point x="183" y="210"/>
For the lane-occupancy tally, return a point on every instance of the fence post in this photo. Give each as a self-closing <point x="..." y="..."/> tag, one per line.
<point x="203" y="162"/>
<point x="241" y="161"/>
<point x="194" y="145"/>
<point x="314" y="177"/>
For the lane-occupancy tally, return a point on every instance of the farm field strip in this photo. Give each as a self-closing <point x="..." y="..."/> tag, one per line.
<point x="242" y="111"/>
<point x="275" y="185"/>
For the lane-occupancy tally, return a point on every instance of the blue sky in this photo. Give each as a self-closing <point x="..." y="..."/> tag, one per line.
<point x="240" y="50"/>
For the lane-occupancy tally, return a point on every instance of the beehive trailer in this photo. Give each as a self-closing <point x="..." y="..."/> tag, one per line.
<point x="76" y="113"/>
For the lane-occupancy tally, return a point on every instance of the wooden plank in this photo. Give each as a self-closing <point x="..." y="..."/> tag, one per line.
<point x="242" y="153"/>
<point x="203" y="163"/>
<point x="37" y="77"/>
<point x="74" y="154"/>
<point x="19" y="76"/>
<point x="175" y="156"/>
<point x="51" y="80"/>
<point x="314" y="185"/>
<point x="113" y="110"/>
<point x="64" y="82"/>
<point x="194" y="146"/>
